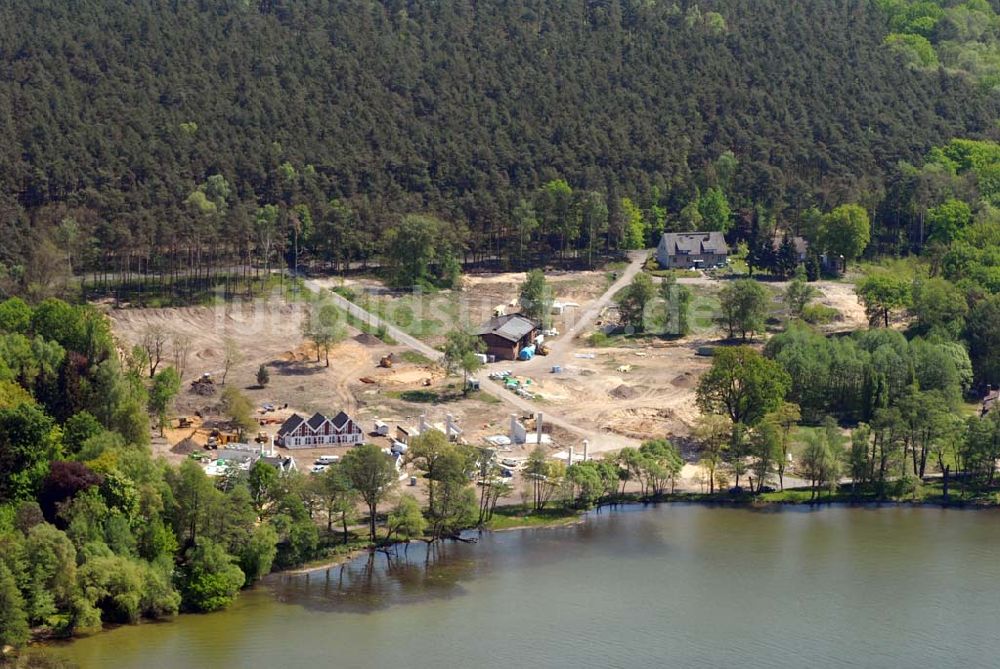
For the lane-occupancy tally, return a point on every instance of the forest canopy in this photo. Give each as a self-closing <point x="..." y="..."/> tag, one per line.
<point x="136" y="135"/>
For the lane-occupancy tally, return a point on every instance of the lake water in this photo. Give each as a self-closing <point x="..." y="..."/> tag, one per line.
<point x="677" y="585"/>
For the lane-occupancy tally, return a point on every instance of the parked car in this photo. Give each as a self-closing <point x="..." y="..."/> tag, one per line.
<point x="318" y="469"/>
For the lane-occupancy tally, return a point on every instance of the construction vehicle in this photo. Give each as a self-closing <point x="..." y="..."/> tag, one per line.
<point x="386" y="362"/>
<point x="183" y="422"/>
<point x="203" y="385"/>
<point x="542" y="350"/>
<point x="262" y="438"/>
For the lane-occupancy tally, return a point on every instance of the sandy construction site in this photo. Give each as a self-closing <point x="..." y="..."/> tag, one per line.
<point x="636" y="389"/>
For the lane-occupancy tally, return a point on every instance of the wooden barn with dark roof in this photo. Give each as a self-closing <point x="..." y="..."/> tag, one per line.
<point x="505" y="336"/>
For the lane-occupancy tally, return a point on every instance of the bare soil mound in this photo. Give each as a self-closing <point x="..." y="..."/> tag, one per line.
<point x="685" y="380"/>
<point x="185" y="447"/>
<point x="624" y="392"/>
<point x="366" y="339"/>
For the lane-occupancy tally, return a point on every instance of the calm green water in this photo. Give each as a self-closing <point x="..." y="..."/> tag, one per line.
<point x="679" y="586"/>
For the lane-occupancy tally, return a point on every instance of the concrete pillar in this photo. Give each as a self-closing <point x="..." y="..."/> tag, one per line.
<point x="538" y="427"/>
<point x="513" y="428"/>
<point x="569" y="456"/>
<point x="586" y="449"/>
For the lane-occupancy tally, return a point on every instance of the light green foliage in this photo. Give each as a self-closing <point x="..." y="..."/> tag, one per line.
<point x="15" y="316"/>
<point x="659" y="464"/>
<point x="13" y="619"/>
<point x="256" y="557"/>
<point x="448" y="468"/>
<point x="337" y="496"/>
<point x="939" y="306"/>
<point x="209" y="579"/>
<point x="881" y="294"/>
<point x="712" y="433"/>
<point x="917" y="49"/>
<point x="238" y="408"/>
<point x="819" y="314"/>
<point x="50" y="560"/>
<point x="263" y="484"/>
<point x="947" y="220"/>
<point x="406" y="521"/>
<point x="324" y="325"/>
<point x="634" y="299"/>
<point x="372" y="474"/>
<point x="677" y="305"/>
<point x="460" y="353"/>
<point x="821" y="459"/>
<point x="714" y="209"/>
<point x="846" y="232"/>
<point x="742" y="385"/>
<point x="166" y="385"/>
<point x="632" y="227"/>
<point x="744" y="307"/>
<point x="797" y="296"/>
<point x="535" y="297"/>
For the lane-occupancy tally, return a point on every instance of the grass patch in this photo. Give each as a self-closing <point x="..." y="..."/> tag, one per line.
<point x="415" y="358"/>
<point x="600" y="339"/>
<point x="819" y="314"/>
<point x="428" y="396"/>
<point x="421" y="315"/>
<point x="508" y="517"/>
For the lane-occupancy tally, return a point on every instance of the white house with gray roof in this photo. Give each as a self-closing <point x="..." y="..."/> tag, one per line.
<point x="691" y="250"/>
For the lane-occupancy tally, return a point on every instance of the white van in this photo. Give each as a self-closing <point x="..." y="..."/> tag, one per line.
<point x="327" y="459"/>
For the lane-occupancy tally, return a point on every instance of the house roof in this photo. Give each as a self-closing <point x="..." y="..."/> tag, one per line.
<point x="290" y="425"/>
<point x="316" y="421"/>
<point x="800" y="244"/>
<point x="512" y="327"/>
<point x="694" y="243"/>
<point x="242" y="454"/>
<point x="277" y="462"/>
<point x="340" y="419"/>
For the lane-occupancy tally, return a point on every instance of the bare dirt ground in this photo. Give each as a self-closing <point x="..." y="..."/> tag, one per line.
<point x="269" y="334"/>
<point x="637" y="389"/>
<point x="841" y="296"/>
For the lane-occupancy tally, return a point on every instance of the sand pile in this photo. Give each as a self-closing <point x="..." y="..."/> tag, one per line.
<point x="185" y="447"/>
<point x="366" y="339"/>
<point x="624" y="392"/>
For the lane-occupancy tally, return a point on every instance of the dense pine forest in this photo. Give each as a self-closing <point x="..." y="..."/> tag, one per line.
<point x="177" y="137"/>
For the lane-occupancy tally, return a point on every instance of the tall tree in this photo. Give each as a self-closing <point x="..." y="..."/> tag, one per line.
<point x="166" y="385"/>
<point x="744" y="307"/>
<point x="372" y="473"/>
<point x="846" y="232"/>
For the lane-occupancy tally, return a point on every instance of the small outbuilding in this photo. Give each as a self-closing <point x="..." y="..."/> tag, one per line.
<point x="505" y="336"/>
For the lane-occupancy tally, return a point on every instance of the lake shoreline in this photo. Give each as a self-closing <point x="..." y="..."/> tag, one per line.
<point x="570" y="519"/>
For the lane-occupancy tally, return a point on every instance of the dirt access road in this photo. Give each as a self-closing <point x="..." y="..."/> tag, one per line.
<point x="599" y="440"/>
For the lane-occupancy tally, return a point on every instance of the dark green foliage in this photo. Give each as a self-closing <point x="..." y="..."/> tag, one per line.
<point x="320" y="124"/>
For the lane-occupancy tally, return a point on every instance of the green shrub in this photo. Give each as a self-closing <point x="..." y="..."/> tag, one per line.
<point x="819" y="314"/>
